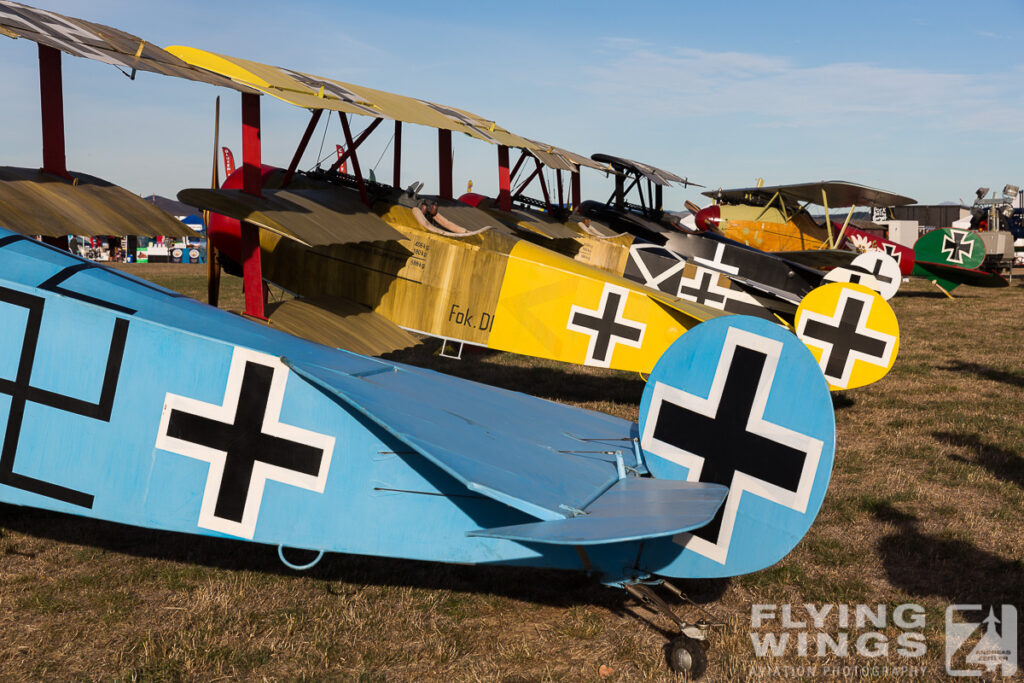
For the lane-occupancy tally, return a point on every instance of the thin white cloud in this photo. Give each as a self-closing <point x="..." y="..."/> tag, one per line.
<point x="776" y="92"/>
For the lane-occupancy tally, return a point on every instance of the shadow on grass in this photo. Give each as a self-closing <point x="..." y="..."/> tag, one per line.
<point x="842" y="400"/>
<point x="1004" y="464"/>
<point x="547" y="379"/>
<point x="956" y="570"/>
<point x="558" y="588"/>
<point x="1014" y="379"/>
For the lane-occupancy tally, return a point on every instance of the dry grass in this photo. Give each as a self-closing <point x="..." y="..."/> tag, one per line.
<point x="925" y="506"/>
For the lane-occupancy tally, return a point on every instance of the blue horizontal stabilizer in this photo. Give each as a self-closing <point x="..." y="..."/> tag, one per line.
<point x="633" y="509"/>
<point x="540" y="457"/>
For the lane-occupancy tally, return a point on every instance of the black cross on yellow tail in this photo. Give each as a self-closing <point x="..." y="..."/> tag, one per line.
<point x="606" y="326"/>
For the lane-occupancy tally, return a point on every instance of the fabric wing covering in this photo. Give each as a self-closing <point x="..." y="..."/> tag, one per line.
<point x="563" y="463"/>
<point x="839" y="193"/>
<point x="312" y="217"/>
<point x="37" y="203"/>
<point x="82" y="38"/>
<point x="339" y="323"/>
<point x="318" y="92"/>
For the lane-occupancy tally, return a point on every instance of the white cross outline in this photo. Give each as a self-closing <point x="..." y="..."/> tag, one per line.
<point x="714" y="287"/>
<point x="756" y="424"/>
<point x="331" y="88"/>
<point x="63" y="32"/>
<point x="623" y="293"/>
<point x="866" y="262"/>
<point x="891" y="250"/>
<point x="960" y="253"/>
<point x="650" y="280"/>
<point x="716" y="262"/>
<point x="868" y="299"/>
<point x="261" y="471"/>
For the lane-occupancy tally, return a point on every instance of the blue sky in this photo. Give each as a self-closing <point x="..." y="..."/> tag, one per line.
<point x="920" y="98"/>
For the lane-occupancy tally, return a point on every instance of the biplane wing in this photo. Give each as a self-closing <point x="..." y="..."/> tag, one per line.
<point x="321" y="93"/>
<point x="105" y="44"/>
<point x="819" y="258"/>
<point x="656" y="175"/>
<point x="309" y="216"/>
<point x="838" y="192"/>
<point x="36" y="203"/>
<point x="339" y="323"/>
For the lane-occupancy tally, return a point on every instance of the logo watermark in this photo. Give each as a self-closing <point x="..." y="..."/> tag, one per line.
<point x="994" y="651"/>
<point x="978" y="639"/>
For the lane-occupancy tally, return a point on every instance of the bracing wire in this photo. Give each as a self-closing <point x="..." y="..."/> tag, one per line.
<point x="319" y="155"/>
<point x="384" y="152"/>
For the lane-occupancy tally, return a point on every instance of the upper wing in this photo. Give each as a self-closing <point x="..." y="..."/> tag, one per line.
<point x="104" y="44"/>
<point x="839" y="193"/>
<point x="37" y="203"/>
<point x="312" y="217"/>
<point x="318" y="92"/>
<point x="657" y="176"/>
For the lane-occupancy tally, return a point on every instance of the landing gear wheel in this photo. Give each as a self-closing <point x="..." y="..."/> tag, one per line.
<point x="687" y="655"/>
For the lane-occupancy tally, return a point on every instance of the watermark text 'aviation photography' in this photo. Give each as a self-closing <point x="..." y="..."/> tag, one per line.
<point x="978" y="638"/>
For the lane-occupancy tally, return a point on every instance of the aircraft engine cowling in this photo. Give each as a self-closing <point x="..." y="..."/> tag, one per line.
<point x="224" y="232"/>
<point x="708" y="217"/>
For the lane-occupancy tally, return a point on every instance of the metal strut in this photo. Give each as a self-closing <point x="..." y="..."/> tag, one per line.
<point x="646" y="594"/>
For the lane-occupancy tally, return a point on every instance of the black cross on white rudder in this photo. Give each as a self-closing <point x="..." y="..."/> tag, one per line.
<point x="606" y="326"/>
<point x="845" y="338"/>
<point x="956" y="246"/>
<point x="245" y="443"/>
<point x="858" y="273"/>
<point x="725" y="439"/>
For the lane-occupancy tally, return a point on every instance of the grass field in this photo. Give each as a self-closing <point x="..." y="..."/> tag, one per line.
<point x="926" y="506"/>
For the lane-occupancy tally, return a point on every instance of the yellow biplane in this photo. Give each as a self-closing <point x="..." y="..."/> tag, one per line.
<point x="775" y="218"/>
<point x="363" y="258"/>
<point x="368" y="262"/>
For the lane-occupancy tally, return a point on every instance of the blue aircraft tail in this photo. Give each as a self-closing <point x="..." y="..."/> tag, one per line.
<point x="740" y="402"/>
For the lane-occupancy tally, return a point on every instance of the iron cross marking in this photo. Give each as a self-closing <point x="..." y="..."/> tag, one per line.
<point x="701" y="291"/>
<point x="606" y="326"/>
<point x="956" y="246"/>
<point x="650" y="266"/>
<point x="22" y="392"/>
<point x="891" y="250"/>
<point x="844" y="336"/>
<point x="724" y="440"/>
<point x="857" y="276"/>
<point x="245" y="443"/>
